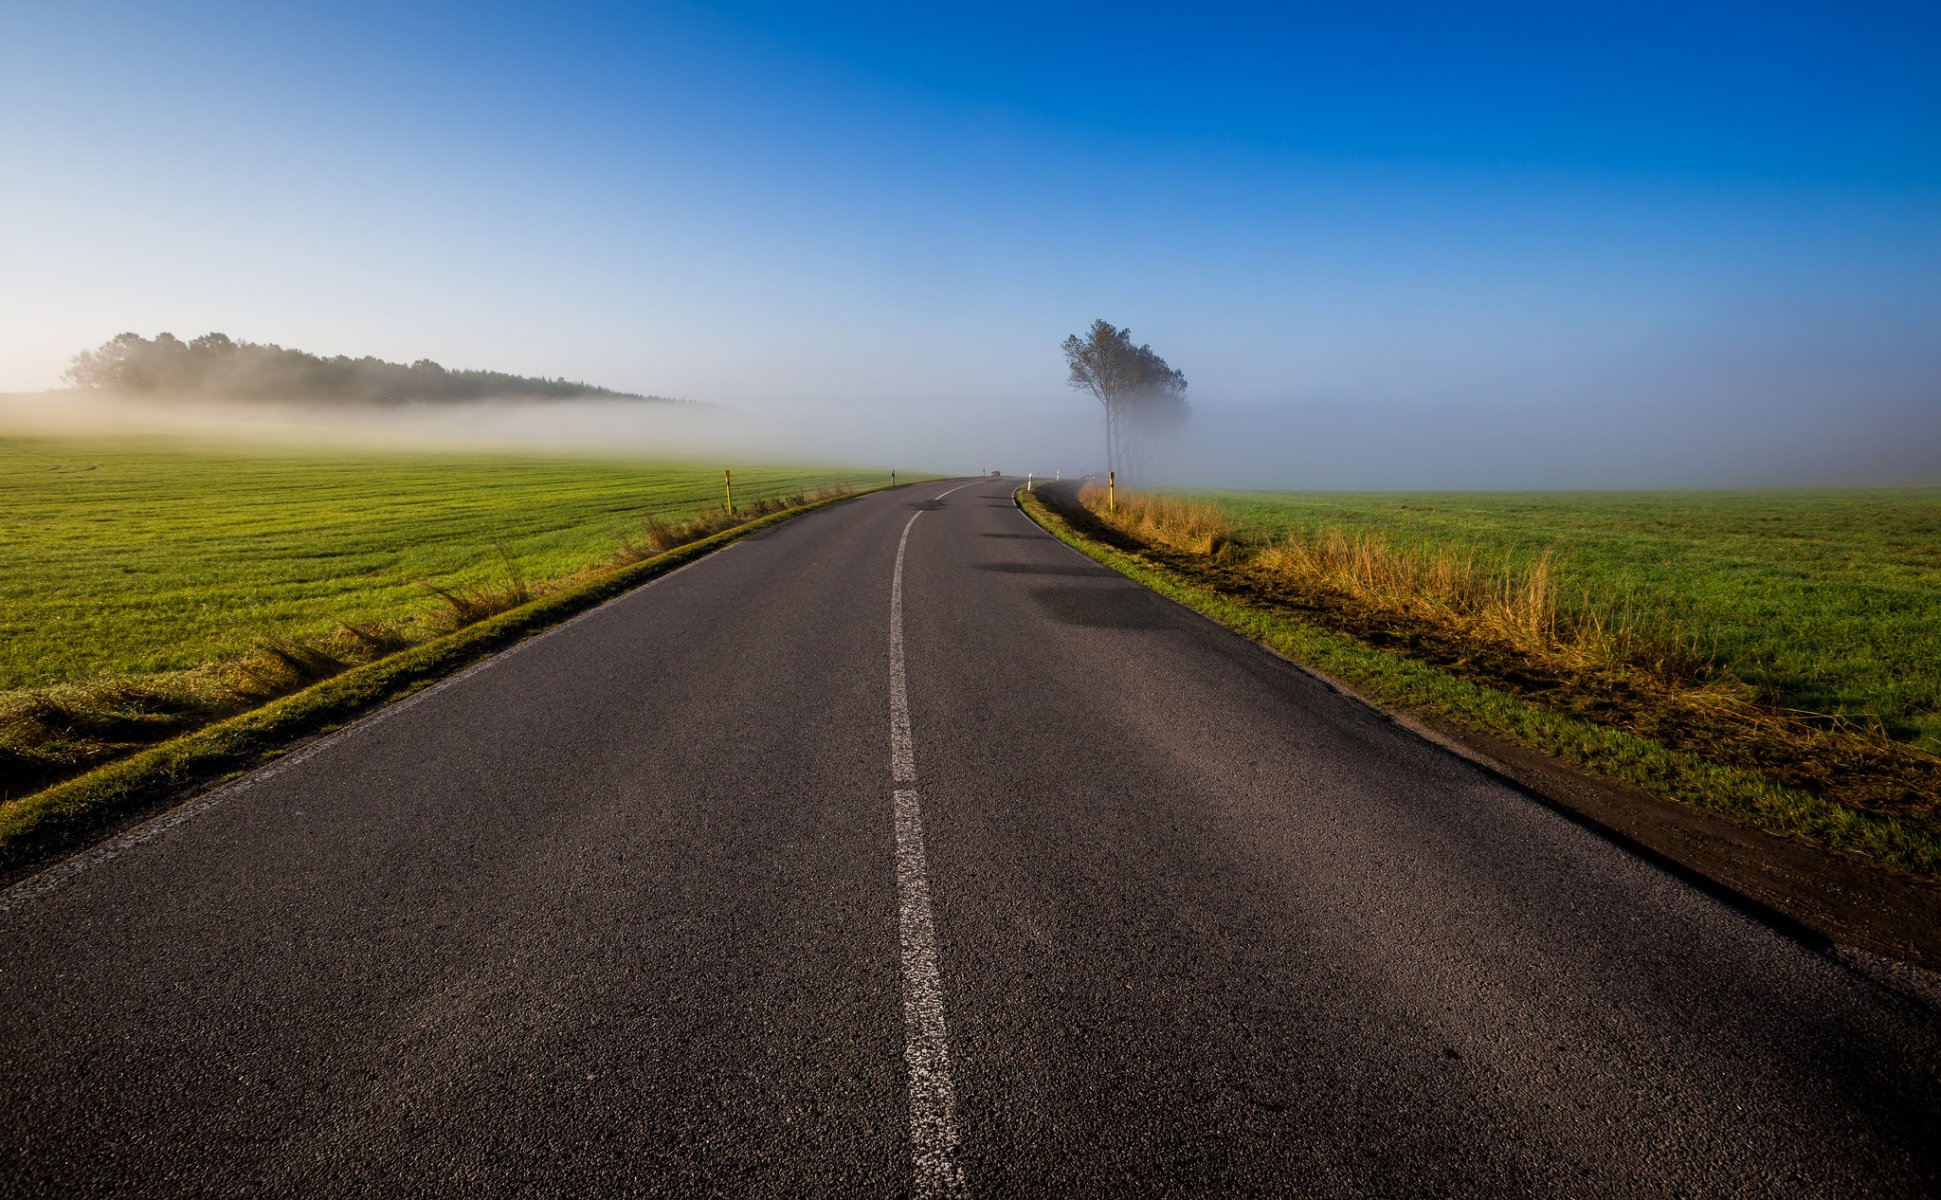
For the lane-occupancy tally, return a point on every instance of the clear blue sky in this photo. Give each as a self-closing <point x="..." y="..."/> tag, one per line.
<point x="1553" y="235"/>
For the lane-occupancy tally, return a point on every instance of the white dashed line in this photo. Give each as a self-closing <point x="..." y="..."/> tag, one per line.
<point x="926" y="1047"/>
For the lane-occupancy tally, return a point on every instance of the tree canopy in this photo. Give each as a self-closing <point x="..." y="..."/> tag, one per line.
<point x="216" y="365"/>
<point x="1141" y="395"/>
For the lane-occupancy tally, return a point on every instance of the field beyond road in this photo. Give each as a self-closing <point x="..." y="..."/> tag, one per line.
<point x="1829" y="600"/>
<point x="1768" y="657"/>
<point x="128" y="564"/>
<point x="125" y="557"/>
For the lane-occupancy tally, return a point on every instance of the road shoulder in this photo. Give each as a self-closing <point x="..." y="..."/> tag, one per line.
<point x="1822" y="898"/>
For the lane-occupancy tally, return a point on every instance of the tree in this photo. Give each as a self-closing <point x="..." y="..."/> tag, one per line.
<point x="109" y="366"/>
<point x="1141" y="395"/>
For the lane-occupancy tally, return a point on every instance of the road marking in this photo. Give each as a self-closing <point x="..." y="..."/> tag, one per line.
<point x="903" y="759"/>
<point x="37" y="885"/>
<point x="960" y="487"/>
<point x="926" y="1045"/>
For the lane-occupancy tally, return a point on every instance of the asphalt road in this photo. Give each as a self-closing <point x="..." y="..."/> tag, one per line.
<point x="672" y="900"/>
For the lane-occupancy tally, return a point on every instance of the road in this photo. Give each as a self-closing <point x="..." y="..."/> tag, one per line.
<point x="902" y="849"/>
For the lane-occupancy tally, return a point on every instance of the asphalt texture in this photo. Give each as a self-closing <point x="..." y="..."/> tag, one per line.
<point x="619" y="914"/>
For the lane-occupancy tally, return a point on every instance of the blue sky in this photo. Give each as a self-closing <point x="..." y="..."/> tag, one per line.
<point x="1615" y="244"/>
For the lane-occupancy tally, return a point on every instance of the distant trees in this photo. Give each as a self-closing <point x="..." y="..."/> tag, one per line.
<point x="217" y="365"/>
<point x="1143" y="398"/>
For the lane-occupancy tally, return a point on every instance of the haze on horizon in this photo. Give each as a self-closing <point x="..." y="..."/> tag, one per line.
<point x="1415" y="249"/>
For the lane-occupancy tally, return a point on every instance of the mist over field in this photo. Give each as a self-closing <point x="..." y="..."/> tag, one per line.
<point x="1677" y="439"/>
<point x="1882" y="433"/>
<point x="913" y="434"/>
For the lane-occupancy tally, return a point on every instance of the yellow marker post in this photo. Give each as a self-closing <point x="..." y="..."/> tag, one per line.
<point x="728" y="482"/>
<point x="1112" y="490"/>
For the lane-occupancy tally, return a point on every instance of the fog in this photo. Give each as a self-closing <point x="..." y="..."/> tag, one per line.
<point x="1883" y="431"/>
<point x="958" y="435"/>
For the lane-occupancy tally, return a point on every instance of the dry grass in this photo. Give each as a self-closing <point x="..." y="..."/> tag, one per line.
<point x="1519" y="625"/>
<point x="464" y="607"/>
<point x="658" y="536"/>
<point x="1522" y="605"/>
<point x="1719" y="746"/>
<point x="50" y="734"/>
<point x="1180" y="524"/>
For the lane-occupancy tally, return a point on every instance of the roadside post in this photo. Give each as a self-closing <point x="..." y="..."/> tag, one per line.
<point x="1112" y="491"/>
<point x="1027" y="480"/>
<point x="728" y="482"/>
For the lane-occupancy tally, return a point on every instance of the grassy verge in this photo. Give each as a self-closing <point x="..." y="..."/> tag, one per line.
<point x="1200" y="569"/>
<point x="46" y="823"/>
<point x="153" y="587"/>
<point x="1825" y="603"/>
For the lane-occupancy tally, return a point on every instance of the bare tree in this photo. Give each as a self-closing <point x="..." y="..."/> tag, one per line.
<point x="1143" y="398"/>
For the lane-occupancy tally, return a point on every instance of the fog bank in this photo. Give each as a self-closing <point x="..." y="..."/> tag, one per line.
<point x="1677" y="438"/>
<point x="948" y="437"/>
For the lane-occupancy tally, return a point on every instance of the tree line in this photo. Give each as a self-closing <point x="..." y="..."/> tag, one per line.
<point x="217" y="365"/>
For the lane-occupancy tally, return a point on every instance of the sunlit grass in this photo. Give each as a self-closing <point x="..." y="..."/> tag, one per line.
<point x="1826" y="602"/>
<point x="1477" y="632"/>
<point x="124" y="557"/>
<point x="149" y="589"/>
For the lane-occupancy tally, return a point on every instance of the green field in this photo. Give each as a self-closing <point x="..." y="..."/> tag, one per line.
<point x="1453" y="608"/>
<point x="135" y="558"/>
<point x="1832" y="600"/>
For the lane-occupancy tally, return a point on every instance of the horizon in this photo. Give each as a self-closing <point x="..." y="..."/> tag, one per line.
<point x="1464" y="252"/>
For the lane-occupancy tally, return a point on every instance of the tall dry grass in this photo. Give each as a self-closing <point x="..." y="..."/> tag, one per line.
<point x="464" y="607"/>
<point x="1516" y="623"/>
<point x="1186" y="525"/>
<point x="1524" y="604"/>
<point x="658" y="536"/>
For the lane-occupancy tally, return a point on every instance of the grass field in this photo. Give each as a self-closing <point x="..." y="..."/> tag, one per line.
<point x="125" y="557"/>
<point x="1831" y="601"/>
<point x="125" y="565"/>
<point x="1775" y="657"/>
